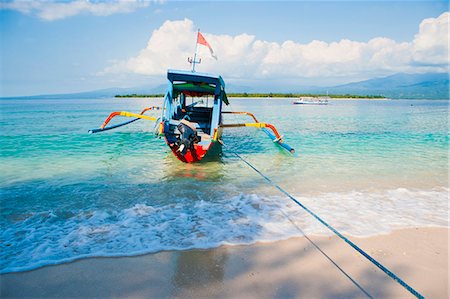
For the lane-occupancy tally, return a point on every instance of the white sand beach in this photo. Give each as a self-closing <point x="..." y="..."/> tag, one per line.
<point x="292" y="268"/>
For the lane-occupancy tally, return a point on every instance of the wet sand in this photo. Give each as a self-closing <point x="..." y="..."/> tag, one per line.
<point x="293" y="268"/>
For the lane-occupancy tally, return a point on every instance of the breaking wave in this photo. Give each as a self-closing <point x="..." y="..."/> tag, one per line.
<point x="39" y="239"/>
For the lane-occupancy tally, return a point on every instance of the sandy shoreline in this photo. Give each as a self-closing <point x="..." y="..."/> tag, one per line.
<point x="275" y="98"/>
<point x="329" y="100"/>
<point x="292" y="268"/>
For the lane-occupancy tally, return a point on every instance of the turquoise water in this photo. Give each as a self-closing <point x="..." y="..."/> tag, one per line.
<point x="367" y="167"/>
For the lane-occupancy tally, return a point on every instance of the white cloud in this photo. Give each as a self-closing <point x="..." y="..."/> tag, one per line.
<point x="50" y="11"/>
<point x="244" y="56"/>
<point x="431" y="43"/>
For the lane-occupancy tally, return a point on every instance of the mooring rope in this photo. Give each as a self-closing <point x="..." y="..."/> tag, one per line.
<point x="326" y="255"/>
<point x="362" y="252"/>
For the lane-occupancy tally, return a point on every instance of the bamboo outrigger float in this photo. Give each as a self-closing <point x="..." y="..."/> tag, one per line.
<point x="193" y="130"/>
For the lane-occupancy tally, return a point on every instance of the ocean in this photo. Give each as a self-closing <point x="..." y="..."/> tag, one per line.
<point x="367" y="167"/>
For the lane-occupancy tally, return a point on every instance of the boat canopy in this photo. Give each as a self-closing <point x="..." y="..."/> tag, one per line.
<point x="197" y="84"/>
<point x="199" y="89"/>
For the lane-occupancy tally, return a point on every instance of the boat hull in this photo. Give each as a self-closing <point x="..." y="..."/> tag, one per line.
<point x="309" y="103"/>
<point x="197" y="153"/>
<point x="213" y="148"/>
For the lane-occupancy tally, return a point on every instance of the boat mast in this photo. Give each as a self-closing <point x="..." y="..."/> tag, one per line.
<point x="194" y="61"/>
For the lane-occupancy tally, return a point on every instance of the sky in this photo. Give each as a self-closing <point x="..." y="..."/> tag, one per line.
<point x="78" y="45"/>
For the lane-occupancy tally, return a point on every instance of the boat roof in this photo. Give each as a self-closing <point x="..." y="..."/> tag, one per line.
<point x="189" y="76"/>
<point x="197" y="84"/>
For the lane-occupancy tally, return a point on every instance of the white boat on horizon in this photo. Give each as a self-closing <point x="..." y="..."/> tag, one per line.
<point x="312" y="101"/>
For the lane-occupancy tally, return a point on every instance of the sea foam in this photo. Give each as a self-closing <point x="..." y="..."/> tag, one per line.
<point x="38" y="239"/>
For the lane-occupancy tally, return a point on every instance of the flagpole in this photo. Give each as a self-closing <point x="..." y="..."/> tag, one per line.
<point x="195" y="53"/>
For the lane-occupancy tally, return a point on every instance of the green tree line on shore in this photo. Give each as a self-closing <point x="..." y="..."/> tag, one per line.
<point x="267" y="95"/>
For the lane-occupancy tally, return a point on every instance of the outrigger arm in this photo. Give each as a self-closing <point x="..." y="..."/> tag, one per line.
<point x="273" y="133"/>
<point x="126" y="114"/>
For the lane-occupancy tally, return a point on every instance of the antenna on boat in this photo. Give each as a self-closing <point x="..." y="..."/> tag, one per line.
<point x="194" y="61"/>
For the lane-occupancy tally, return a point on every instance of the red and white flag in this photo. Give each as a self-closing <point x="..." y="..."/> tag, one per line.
<point x="202" y="41"/>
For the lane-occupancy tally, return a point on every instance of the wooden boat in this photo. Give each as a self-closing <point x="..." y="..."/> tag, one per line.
<point x="193" y="129"/>
<point x="191" y="119"/>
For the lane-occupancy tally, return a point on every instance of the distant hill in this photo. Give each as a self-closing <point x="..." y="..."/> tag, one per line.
<point x="100" y="93"/>
<point x="406" y="86"/>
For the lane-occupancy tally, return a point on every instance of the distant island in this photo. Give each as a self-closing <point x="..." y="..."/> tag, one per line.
<point x="268" y="95"/>
<point x="428" y="86"/>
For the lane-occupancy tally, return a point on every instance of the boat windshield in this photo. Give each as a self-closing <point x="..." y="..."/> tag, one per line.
<point x="204" y="101"/>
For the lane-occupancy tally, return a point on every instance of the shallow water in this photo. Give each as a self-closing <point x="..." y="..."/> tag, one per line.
<point x="366" y="167"/>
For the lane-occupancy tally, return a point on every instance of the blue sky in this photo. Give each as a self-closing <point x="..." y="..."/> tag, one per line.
<point x="81" y="47"/>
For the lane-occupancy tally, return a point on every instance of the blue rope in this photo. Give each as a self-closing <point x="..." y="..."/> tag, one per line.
<point x="362" y="252"/>
<point x="326" y="256"/>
